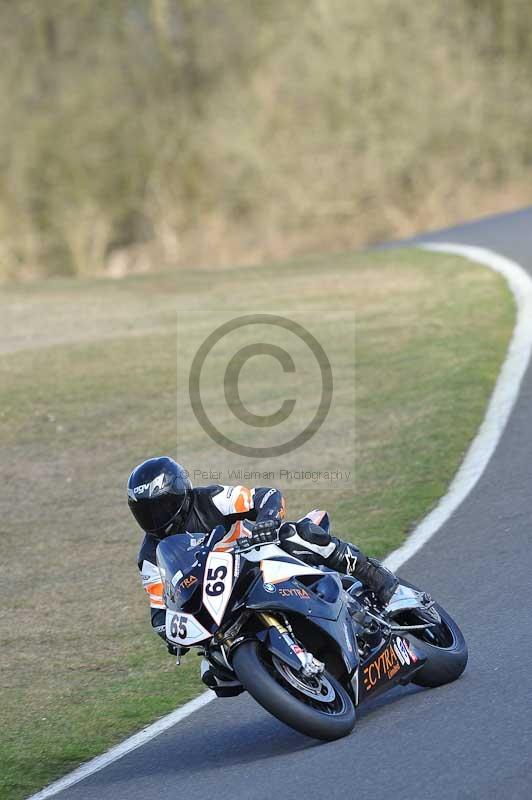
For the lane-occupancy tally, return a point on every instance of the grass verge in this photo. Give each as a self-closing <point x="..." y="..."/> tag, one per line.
<point x="88" y="390"/>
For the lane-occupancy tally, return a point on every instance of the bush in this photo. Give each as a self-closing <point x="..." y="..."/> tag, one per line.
<point x="140" y="134"/>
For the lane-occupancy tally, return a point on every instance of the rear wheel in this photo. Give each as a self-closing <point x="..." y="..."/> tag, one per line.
<point x="317" y="706"/>
<point x="445" y="649"/>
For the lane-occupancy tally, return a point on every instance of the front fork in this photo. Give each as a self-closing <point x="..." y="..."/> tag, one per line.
<point x="309" y="664"/>
<point x="272" y="622"/>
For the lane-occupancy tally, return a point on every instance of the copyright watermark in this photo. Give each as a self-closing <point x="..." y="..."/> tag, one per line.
<point x="232" y="392"/>
<point x="266" y="397"/>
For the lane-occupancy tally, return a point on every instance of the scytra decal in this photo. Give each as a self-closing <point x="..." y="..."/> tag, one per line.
<point x="388" y="662"/>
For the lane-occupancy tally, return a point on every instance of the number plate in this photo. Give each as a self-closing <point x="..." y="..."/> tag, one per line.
<point x="184" y="629"/>
<point x="218" y="583"/>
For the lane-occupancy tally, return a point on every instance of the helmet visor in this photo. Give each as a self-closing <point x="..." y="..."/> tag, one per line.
<point x="154" y="515"/>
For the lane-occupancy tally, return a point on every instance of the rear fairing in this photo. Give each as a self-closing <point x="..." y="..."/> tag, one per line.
<point x="393" y="662"/>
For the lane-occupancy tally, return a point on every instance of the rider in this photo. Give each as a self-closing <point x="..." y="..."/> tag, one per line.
<point x="163" y="502"/>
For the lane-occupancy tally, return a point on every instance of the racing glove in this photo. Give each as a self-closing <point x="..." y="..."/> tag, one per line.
<point x="264" y="532"/>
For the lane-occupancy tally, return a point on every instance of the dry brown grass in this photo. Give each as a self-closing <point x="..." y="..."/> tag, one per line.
<point x="89" y="391"/>
<point x="186" y="133"/>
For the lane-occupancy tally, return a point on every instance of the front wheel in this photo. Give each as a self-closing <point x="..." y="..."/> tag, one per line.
<point x="319" y="706"/>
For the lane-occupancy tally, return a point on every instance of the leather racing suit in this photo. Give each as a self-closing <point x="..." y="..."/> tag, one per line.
<point x="308" y="540"/>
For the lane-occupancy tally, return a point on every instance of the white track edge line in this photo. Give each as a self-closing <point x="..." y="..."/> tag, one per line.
<point x="477" y="458"/>
<point x="500" y="405"/>
<point x="137" y="740"/>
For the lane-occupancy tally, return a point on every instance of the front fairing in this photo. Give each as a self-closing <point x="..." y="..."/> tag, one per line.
<point x="296" y="596"/>
<point x="180" y="562"/>
<point x="197" y="585"/>
<point x="328" y="613"/>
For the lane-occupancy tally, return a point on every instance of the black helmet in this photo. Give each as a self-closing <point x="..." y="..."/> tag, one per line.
<point x="159" y="495"/>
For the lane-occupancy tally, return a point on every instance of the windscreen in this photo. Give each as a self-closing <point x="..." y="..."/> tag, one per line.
<point x="176" y="558"/>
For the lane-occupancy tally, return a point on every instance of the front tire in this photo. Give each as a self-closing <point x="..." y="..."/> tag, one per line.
<point x="272" y="688"/>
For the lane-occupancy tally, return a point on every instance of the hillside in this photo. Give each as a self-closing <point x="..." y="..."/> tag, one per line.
<point x="149" y="134"/>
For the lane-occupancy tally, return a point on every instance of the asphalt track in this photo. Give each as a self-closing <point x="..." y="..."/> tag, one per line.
<point x="471" y="739"/>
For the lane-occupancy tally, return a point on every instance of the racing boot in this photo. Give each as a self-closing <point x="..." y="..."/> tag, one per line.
<point x="348" y="559"/>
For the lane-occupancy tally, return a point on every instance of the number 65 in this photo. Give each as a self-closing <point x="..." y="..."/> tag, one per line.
<point x="178" y="627"/>
<point x="217" y="575"/>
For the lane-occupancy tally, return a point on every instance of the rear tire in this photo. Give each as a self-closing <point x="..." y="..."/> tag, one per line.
<point x="444" y="664"/>
<point x="266" y="684"/>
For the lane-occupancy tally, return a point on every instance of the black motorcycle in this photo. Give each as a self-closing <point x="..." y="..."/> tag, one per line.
<point x="308" y="644"/>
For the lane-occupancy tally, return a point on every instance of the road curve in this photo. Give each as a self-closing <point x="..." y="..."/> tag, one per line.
<point x="471" y="739"/>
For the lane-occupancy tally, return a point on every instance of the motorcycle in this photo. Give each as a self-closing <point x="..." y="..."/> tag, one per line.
<point x="308" y="644"/>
